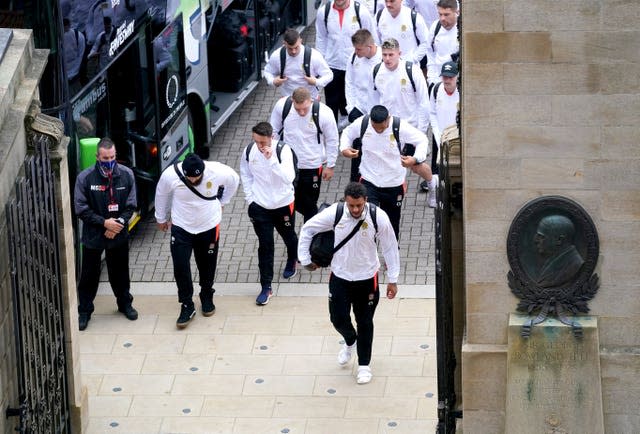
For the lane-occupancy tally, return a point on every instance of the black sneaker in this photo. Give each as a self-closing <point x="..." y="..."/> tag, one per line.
<point x="83" y="320"/>
<point x="208" y="308"/>
<point x="424" y="186"/>
<point x="187" y="312"/>
<point x="129" y="312"/>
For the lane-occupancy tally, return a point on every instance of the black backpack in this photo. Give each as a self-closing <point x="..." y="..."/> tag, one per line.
<point x="279" y="147"/>
<point x="315" y="115"/>
<point x="306" y="61"/>
<point x="434" y="90"/>
<point x="435" y="33"/>
<point x="364" y="123"/>
<point x="414" y="16"/>
<point x="408" y="66"/>
<point x="409" y="149"/>
<point x="327" y="9"/>
<point x="322" y="244"/>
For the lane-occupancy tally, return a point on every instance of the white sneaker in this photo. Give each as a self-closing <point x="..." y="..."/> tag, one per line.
<point x="364" y="375"/>
<point x="345" y="353"/>
<point x="431" y="195"/>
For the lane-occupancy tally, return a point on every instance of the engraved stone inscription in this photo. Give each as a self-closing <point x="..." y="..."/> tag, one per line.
<point x="553" y="380"/>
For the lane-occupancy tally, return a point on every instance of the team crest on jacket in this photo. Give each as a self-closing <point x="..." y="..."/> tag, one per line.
<point x="364" y="226"/>
<point x="209" y="184"/>
<point x="403" y="28"/>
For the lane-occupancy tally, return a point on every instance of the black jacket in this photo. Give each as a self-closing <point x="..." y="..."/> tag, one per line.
<point x="91" y="203"/>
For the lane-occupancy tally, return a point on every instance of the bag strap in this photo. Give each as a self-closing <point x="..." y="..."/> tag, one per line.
<point x="327" y="9"/>
<point x="315" y="115"/>
<point x="286" y="108"/>
<point x="283" y="61"/>
<point x="307" y="61"/>
<point x="339" y="212"/>
<point x="435" y="33"/>
<point x="364" y="124"/>
<point x="374" y="215"/>
<point x="409" y="68"/>
<point x="395" y="126"/>
<point x="346" y="239"/>
<point x="414" y="17"/>
<point x="191" y="187"/>
<point x="375" y="72"/>
<point x="435" y="90"/>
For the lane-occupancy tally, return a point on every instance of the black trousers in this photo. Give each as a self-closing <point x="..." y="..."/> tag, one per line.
<point x="363" y="296"/>
<point x="355" y="162"/>
<point x="205" y="250"/>
<point x="334" y="94"/>
<point x="264" y="221"/>
<point x="389" y="199"/>
<point x="308" y="191"/>
<point x="118" y="270"/>
<point x="434" y="156"/>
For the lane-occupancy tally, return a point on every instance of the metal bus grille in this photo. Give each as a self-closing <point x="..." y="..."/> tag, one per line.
<point x="37" y="298"/>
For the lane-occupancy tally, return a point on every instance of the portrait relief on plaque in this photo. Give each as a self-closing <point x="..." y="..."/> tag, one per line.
<point x="553" y="247"/>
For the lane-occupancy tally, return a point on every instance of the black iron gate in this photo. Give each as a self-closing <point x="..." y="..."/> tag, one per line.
<point x="444" y="299"/>
<point x="37" y="295"/>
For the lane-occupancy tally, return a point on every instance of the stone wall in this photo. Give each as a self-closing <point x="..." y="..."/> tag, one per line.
<point x="551" y="105"/>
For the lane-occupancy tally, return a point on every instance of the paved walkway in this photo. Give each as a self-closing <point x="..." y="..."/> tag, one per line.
<point x="251" y="369"/>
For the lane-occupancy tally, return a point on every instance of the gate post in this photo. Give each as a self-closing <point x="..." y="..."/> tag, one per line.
<point x="40" y="127"/>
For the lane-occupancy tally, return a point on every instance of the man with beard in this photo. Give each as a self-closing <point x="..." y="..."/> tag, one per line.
<point x="354" y="269"/>
<point x="193" y="193"/>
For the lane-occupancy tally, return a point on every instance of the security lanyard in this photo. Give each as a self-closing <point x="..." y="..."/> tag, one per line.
<point x="112" y="197"/>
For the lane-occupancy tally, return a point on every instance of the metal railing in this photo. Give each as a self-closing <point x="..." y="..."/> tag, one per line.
<point x="32" y="222"/>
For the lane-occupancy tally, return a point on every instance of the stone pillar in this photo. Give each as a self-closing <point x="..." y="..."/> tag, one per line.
<point x="543" y="114"/>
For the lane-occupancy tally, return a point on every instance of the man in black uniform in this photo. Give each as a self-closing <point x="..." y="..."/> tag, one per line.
<point x="105" y="198"/>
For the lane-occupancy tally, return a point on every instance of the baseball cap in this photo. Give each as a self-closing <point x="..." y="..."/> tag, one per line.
<point x="192" y="165"/>
<point x="449" y="69"/>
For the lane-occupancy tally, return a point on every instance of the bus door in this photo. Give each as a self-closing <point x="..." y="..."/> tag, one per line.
<point x="171" y="93"/>
<point x="139" y="100"/>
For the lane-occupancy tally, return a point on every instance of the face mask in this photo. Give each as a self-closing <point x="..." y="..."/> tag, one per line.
<point x="108" y="166"/>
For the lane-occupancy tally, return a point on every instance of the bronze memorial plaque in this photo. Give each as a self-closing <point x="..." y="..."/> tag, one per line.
<point x="552" y="248"/>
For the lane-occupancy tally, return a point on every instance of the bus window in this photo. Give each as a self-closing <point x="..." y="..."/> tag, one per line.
<point x="168" y="55"/>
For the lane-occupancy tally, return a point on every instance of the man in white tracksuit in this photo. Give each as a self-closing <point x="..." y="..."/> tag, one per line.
<point x="354" y="270"/>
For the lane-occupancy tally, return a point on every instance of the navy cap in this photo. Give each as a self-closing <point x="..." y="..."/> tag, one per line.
<point x="449" y="69"/>
<point x="192" y="165"/>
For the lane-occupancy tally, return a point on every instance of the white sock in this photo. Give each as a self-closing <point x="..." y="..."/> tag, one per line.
<point x="432" y="183"/>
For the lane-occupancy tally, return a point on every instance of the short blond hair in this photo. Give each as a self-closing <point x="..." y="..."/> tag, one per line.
<point x="391" y="44"/>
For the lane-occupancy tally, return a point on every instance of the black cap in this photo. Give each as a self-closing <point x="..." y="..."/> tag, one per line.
<point x="449" y="69"/>
<point x="192" y="165"/>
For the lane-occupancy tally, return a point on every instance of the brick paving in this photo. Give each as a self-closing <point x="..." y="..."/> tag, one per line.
<point x="150" y="258"/>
